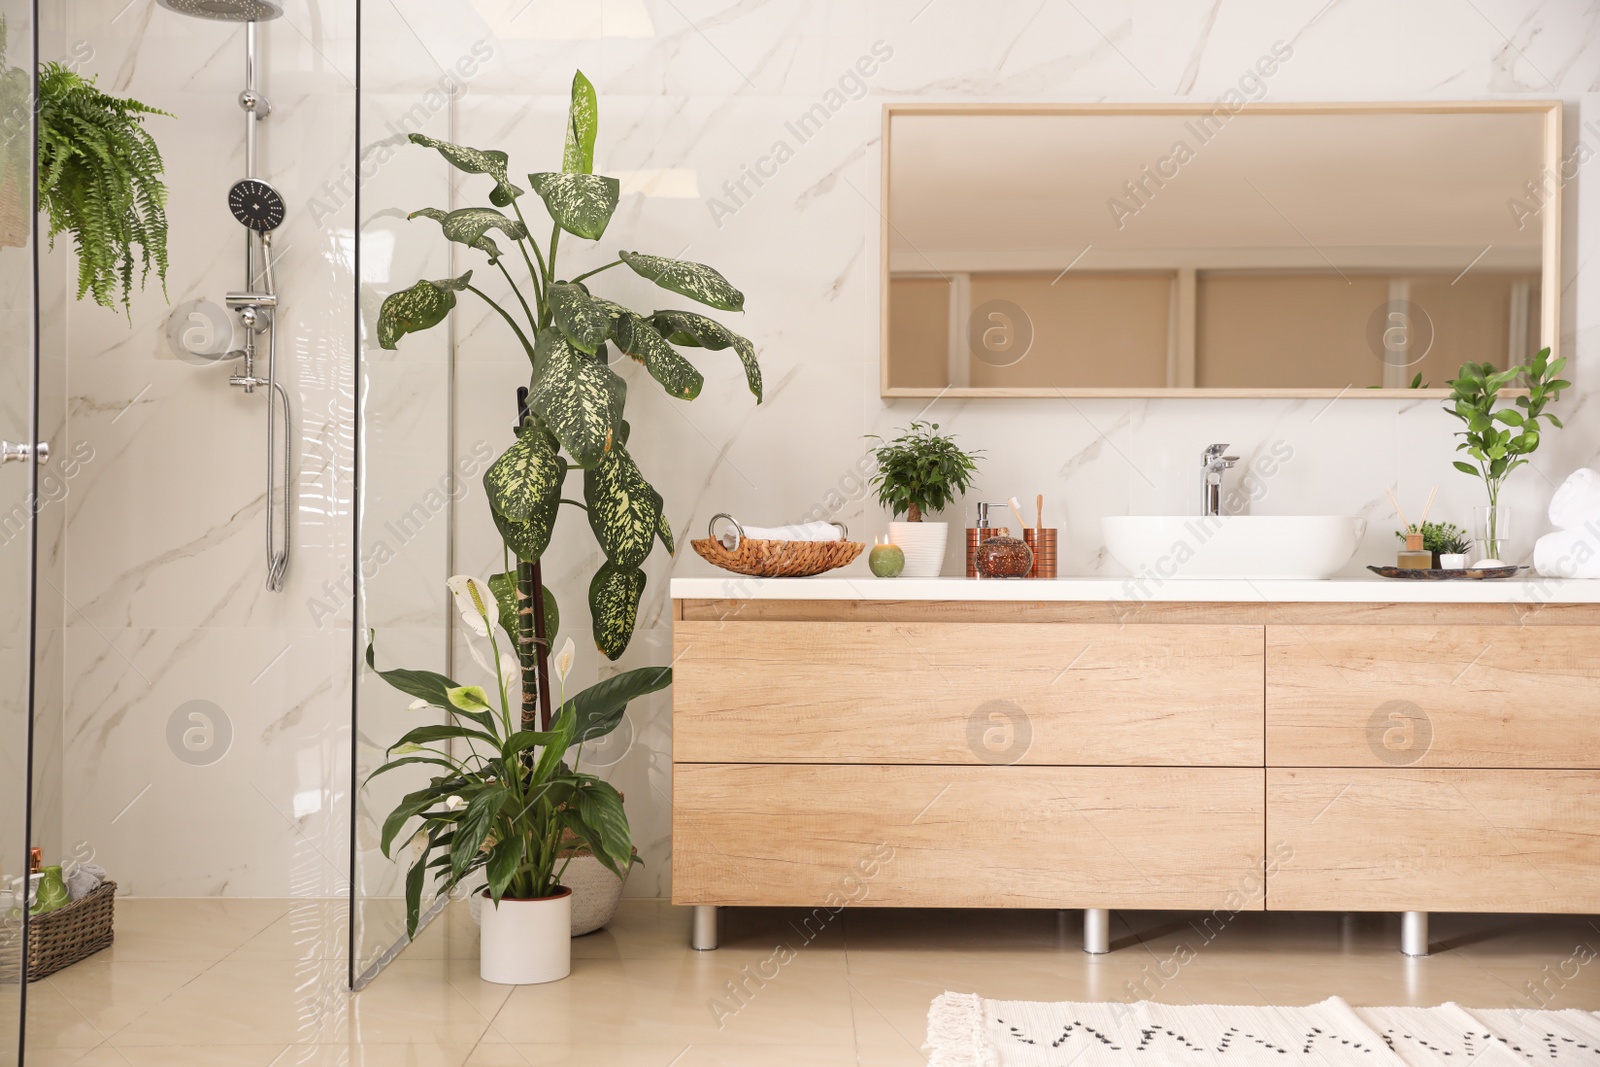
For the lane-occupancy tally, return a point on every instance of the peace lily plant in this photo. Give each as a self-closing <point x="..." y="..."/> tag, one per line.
<point x="516" y="795"/>
<point x="506" y="799"/>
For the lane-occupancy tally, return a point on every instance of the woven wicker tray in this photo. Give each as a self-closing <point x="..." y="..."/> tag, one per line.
<point x="62" y="937"/>
<point x="775" y="559"/>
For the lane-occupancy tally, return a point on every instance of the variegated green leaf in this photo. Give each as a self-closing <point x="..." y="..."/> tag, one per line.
<point x="694" y="280"/>
<point x="624" y="509"/>
<point x="476" y="161"/>
<point x="581" y="204"/>
<point x="664" y="530"/>
<point x="578" y="398"/>
<point x="614" y="605"/>
<point x="466" y="225"/>
<point x="582" y="320"/>
<point x="484" y="243"/>
<point x="526" y="540"/>
<point x="691" y="328"/>
<point x="582" y="118"/>
<point x="421" y="307"/>
<point x="635" y="336"/>
<point x="524" y="484"/>
<point x="504" y="588"/>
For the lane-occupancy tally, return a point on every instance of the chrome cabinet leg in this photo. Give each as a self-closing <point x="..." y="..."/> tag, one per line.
<point x="1097" y="931"/>
<point x="704" y="936"/>
<point x="1414" y="933"/>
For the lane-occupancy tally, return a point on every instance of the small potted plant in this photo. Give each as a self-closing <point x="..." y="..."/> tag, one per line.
<point x="1442" y="539"/>
<point x="1453" y="549"/>
<point x="920" y="472"/>
<point x="1500" y="439"/>
<point x="506" y="799"/>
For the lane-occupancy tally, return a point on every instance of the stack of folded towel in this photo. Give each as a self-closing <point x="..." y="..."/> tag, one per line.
<point x="84" y="879"/>
<point x="1573" y="550"/>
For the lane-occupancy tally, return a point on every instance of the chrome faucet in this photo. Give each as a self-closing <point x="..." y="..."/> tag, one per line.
<point x="1214" y="463"/>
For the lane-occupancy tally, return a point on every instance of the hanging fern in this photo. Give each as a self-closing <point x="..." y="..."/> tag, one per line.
<point x="99" y="178"/>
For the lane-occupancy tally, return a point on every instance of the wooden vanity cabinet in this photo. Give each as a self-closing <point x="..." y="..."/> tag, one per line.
<point x="1392" y="757"/>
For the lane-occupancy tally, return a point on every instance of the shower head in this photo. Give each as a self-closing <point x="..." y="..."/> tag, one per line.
<point x="226" y="10"/>
<point x="256" y="205"/>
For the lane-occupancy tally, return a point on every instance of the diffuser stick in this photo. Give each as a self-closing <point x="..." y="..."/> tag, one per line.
<point x="1427" y="508"/>
<point x="1404" y="525"/>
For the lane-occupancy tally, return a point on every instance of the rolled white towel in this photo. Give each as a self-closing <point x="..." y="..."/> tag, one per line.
<point x="802" y="531"/>
<point x="1577" y="501"/>
<point x="1568" y="553"/>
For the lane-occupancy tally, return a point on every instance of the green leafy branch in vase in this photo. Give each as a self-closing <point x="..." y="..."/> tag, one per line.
<point x="1499" y="440"/>
<point x="507" y="800"/>
<point x="575" y="401"/>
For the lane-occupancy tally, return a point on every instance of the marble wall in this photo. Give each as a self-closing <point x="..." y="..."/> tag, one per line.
<point x="691" y="96"/>
<point x="163" y="597"/>
<point x="206" y="720"/>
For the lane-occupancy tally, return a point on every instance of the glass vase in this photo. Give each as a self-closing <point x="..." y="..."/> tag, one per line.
<point x="1493" y="530"/>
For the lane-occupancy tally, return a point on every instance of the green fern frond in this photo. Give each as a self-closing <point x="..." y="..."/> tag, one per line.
<point x="100" y="180"/>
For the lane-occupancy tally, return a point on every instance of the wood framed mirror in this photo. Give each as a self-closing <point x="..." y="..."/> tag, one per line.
<point x="1196" y="250"/>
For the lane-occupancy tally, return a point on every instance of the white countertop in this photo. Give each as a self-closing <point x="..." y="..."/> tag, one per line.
<point x="1365" y="590"/>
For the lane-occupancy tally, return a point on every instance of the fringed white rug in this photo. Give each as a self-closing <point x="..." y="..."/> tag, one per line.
<point x="966" y="1031"/>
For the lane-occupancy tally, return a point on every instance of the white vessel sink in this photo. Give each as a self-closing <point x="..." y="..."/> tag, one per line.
<point x="1233" y="546"/>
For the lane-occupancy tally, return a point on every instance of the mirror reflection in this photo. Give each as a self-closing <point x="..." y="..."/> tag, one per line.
<point x="1279" y="250"/>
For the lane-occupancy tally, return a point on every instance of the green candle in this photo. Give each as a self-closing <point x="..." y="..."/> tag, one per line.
<point x="886" y="560"/>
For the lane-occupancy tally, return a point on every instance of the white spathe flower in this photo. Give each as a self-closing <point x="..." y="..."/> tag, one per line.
<point x="510" y="673"/>
<point x="419" y="704"/>
<point x="563" y="661"/>
<point x="476" y="603"/>
<point x="454" y="803"/>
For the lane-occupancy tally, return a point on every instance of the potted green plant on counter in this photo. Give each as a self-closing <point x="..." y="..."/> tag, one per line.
<point x="571" y="415"/>
<point x="921" y="472"/>
<point x="508" y="796"/>
<point x="1500" y="438"/>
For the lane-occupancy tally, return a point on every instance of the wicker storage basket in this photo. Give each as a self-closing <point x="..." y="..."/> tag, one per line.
<point x="62" y="937"/>
<point x="775" y="559"/>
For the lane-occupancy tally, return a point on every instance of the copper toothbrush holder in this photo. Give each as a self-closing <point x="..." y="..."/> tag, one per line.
<point x="1043" y="543"/>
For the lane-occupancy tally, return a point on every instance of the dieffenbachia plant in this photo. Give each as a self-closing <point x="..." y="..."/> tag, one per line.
<point x="575" y="400"/>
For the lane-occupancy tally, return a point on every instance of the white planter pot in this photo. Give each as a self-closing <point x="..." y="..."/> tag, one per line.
<point x="526" y="942"/>
<point x="596" y="892"/>
<point x="923" y="543"/>
<point x="1453" y="561"/>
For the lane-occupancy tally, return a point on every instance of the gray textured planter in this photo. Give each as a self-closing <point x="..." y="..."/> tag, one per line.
<point x="595" y="894"/>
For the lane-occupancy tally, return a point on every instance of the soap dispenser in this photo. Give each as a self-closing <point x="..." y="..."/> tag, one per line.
<point x="977" y="535"/>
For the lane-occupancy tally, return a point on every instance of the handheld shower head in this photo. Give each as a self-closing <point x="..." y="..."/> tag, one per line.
<point x="256" y="204"/>
<point x="227" y="10"/>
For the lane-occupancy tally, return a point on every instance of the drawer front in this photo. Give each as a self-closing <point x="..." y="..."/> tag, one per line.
<point x="953" y="693"/>
<point x="1433" y="696"/>
<point x="1020" y="837"/>
<point x="1434" y="840"/>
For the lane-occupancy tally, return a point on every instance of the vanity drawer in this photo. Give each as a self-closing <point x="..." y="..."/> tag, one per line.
<point x="1018" y="837"/>
<point x="954" y="693"/>
<point x="1434" y="840"/>
<point x="1433" y="696"/>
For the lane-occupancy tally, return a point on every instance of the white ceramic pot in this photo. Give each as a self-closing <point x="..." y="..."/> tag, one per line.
<point x="526" y="942"/>
<point x="1453" y="561"/>
<point x="923" y="543"/>
<point x="596" y="892"/>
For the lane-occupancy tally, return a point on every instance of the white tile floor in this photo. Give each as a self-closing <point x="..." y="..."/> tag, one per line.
<point x="259" y="983"/>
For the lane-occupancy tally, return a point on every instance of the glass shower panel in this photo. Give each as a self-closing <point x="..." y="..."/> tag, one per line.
<point x="408" y="484"/>
<point x="19" y="482"/>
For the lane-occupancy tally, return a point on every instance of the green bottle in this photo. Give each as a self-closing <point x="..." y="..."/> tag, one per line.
<point x="52" y="892"/>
